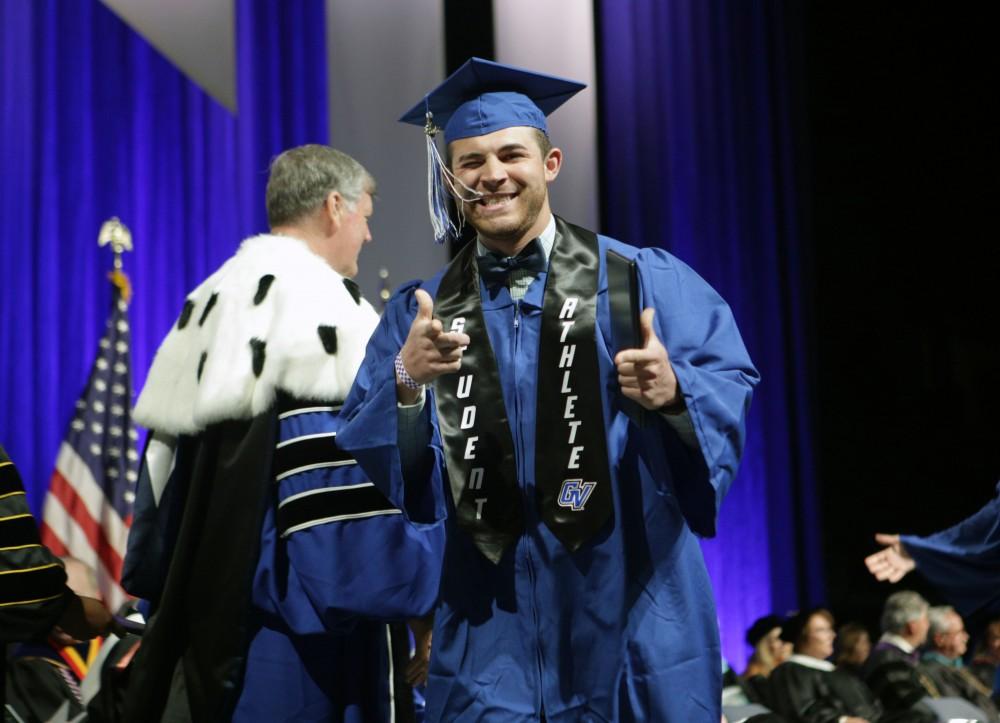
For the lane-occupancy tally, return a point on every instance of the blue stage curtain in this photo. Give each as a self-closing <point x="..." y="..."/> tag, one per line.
<point x="96" y="123"/>
<point x="699" y="143"/>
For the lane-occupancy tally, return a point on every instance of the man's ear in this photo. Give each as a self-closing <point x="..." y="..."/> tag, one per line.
<point x="334" y="207"/>
<point x="552" y="163"/>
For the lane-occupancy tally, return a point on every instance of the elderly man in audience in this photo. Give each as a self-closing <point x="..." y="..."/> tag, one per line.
<point x="904" y="629"/>
<point x="891" y="670"/>
<point x="942" y="661"/>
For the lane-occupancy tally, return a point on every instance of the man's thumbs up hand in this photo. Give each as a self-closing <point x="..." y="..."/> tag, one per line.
<point x="429" y="350"/>
<point x="645" y="374"/>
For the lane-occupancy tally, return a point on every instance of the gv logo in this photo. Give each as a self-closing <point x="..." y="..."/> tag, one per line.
<point x="575" y="493"/>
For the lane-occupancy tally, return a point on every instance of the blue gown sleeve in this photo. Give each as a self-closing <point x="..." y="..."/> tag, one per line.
<point x="963" y="561"/>
<point x="716" y="378"/>
<point x="346" y="552"/>
<point x="370" y="431"/>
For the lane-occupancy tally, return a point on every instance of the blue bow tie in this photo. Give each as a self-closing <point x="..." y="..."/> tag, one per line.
<point x="495" y="268"/>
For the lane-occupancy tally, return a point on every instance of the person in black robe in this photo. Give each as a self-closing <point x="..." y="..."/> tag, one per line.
<point x="34" y="597"/>
<point x="891" y="671"/>
<point x="853" y="647"/>
<point x="278" y="576"/>
<point x="808" y="688"/>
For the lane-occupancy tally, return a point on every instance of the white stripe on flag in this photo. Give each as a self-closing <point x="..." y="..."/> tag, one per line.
<point x="77" y="545"/>
<point x="76" y="472"/>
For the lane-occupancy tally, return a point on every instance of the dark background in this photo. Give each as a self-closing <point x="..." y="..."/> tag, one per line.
<point x="901" y="132"/>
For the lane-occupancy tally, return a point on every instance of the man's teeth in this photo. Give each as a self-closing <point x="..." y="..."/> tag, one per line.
<point x="496" y="200"/>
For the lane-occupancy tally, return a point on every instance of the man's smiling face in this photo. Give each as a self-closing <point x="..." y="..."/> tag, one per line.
<point x="508" y="168"/>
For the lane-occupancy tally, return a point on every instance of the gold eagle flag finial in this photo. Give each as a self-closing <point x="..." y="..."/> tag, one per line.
<point x="116" y="234"/>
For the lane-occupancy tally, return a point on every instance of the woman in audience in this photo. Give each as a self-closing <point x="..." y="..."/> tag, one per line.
<point x="769" y="650"/>
<point x="853" y="646"/>
<point x="808" y="688"/>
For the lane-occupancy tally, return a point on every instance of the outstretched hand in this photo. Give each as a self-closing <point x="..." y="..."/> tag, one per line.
<point x="645" y="375"/>
<point x="892" y="562"/>
<point x="429" y="350"/>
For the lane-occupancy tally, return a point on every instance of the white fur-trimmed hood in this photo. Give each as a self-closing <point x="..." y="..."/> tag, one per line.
<point x="204" y="371"/>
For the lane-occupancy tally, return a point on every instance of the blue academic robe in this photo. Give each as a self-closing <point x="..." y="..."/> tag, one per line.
<point x="964" y="560"/>
<point x="625" y="628"/>
<point x="319" y="647"/>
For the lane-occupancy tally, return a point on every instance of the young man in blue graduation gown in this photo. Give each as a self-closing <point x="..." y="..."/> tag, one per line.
<point x="574" y="587"/>
<point x="271" y="561"/>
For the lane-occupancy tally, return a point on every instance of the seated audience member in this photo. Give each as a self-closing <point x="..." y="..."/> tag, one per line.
<point x="890" y="671"/>
<point x="986" y="660"/>
<point x="853" y="646"/>
<point x="807" y="687"/>
<point x="942" y="661"/>
<point x="769" y="651"/>
<point x="904" y="629"/>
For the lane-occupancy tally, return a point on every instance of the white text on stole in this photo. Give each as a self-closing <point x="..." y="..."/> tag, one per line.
<point x="468" y="421"/>
<point x="566" y="357"/>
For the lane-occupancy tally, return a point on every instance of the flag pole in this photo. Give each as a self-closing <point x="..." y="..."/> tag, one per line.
<point x="88" y="508"/>
<point x="116" y="234"/>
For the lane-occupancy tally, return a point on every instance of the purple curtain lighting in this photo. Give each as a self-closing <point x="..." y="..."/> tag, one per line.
<point x="95" y="123"/>
<point x="699" y="143"/>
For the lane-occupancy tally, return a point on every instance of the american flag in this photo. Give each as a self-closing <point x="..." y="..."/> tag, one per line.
<point x="88" y="508"/>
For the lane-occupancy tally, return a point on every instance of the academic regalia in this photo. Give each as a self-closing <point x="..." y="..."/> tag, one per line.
<point x="952" y="679"/>
<point x="625" y="627"/>
<point x="44" y="678"/>
<point x="272" y="563"/>
<point x="34" y="593"/>
<point x="813" y="691"/>
<point x="892" y="675"/>
<point x="986" y="673"/>
<point x="964" y="560"/>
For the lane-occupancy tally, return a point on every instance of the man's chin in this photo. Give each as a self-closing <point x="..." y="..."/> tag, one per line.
<point x="498" y="230"/>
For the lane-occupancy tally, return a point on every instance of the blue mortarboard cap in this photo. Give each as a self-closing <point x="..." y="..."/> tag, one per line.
<point x="482" y="97"/>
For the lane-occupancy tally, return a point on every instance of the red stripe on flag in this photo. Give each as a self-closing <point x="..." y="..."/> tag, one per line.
<point x="52" y="541"/>
<point x="63" y="491"/>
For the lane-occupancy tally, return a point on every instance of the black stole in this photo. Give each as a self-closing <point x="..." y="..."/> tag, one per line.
<point x="572" y="477"/>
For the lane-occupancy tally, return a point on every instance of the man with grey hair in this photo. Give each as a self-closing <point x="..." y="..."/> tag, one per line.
<point x="890" y="670"/>
<point x="943" y="666"/>
<point x="904" y="628"/>
<point x="276" y="572"/>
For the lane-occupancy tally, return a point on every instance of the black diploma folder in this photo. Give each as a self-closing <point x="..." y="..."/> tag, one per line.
<point x="623" y="302"/>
